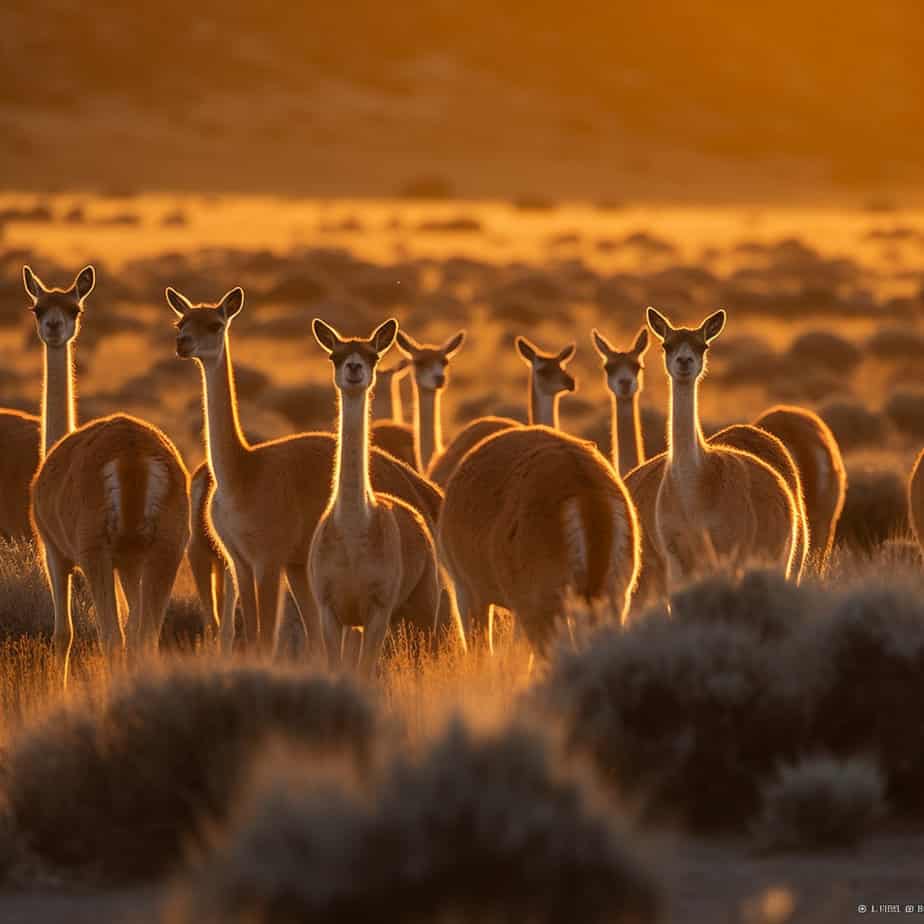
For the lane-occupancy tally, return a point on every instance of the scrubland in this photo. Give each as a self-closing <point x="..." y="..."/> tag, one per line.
<point x="754" y="753"/>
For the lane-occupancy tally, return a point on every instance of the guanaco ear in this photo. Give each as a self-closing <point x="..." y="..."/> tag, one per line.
<point x="177" y="301"/>
<point x="641" y="343"/>
<point x="603" y="346"/>
<point x="566" y="354"/>
<point x="84" y="282"/>
<point x="231" y="304"/>
<point x="713" y="325"/>
<point x="407" y="344"/>
<point x="453" y="344"/>
<point x="35" y="288"/>
<point x="384" y="336"/>
<point x="325" y="335"/>
<point x="526" y="349"/>
<point x="658" y="323"/>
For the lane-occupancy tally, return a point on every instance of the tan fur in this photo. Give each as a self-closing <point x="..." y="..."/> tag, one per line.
<point x="715" y="504"/>
<point x="372" y="557"/>
<point x="20" y="436"/>
<point x="389" y="431"/>
<point x="821" y="467"/>
<point x="644" y="482"/>
<point x="430" y="367"/>
<point x="268" y="497"/>
<point x="110" y="498"/>
<point x="397" y="439"/>
<point x="548" y="381"/>
<point x="916" y="498"/>
<point x="444" y="464"/>
<point x="507" y="533"/>
<point x="624" y="370"/>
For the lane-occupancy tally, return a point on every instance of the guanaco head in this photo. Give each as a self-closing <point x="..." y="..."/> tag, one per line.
<point x="430" y="362"/>
<point x="200" y="329"/>
<point x="354" y="358"/>
<point x="623" y="370"/>
<point x="685" y="348"/>
<point x="549" y="375"/>
<point x="57" y="311"/>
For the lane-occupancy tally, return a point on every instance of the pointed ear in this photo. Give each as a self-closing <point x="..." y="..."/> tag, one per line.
<point x="713" y="325"/>
<point x="453" y="344"/>
<point x="178" y="302"/>
<point x="34" y="286"/>
<point x="325" y="335"/>
<point x="566" y="354"/>
<point x="641" y="343"/>
<point x="84" y="282"/>
<point x="384" y="336"/>
<point x="526" y="349"/>
<point x="603" y="346"/>
<point x="658" y="323"/>
<point x="231" y="304"/>
<point x="407" y="344"/>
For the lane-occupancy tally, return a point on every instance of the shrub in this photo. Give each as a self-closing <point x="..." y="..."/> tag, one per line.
<point x="117" y="788"/>
<point x="875" y="509"/>
<point x="476" y="829"/>
<point x="892" y="343"/>
<point x="867" y="681"/>
<point x="906" y="411"/>
<point x="763" y="601"/>
<point x="853" y="425"/>
<point x="821" y="803"/>
<point x="26" y="609"/>
<point x="685" y="715"/>
<point x="829" y="351"/>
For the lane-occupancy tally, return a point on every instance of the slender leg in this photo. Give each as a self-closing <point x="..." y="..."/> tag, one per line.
<point x="333" y="635"/>
<point x="101" y="578"/>
<point x="156" y="587"/>
<point x="60" y="572"/>
<point x="218" y="586"/>
<point x="228" y="610"/>
<point x="268" y="587"/>
<point x="300" y="589"/>
<point x="378" y="620"/>
<point x="244" y="581"/>
<point x="129" y="583"/>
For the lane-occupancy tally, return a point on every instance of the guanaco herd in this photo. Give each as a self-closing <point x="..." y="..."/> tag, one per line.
<point x="384" y="524"/>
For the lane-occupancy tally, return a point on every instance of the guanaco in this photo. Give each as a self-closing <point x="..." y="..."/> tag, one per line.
<point x="269" y="495"/>
<point x="372" y="557"/>
<point x="714" y="502"/>
<point x="110" y="497"/>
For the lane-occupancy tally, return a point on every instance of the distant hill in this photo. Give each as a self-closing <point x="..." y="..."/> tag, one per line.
<point x="839" y="86"/>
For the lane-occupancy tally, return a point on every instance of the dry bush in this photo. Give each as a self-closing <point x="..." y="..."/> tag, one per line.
<point x="475" y="829"/>
<point x="822" y="349"/>
<point x="906" y="411"/>
<point x="763" y="601"/>
<point x="894" y="343"/>
<point x="853" y="425"/>
<point x="876" y="507"/>
<point x="864" y="669"/>
<point x="116" y="788"/>
<point x="820" y="803"/>
<point x="25" y="601"/>
<point x="684" y="715"/>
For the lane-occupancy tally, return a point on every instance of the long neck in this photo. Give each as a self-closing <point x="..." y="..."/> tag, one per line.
<point x="353" y="492"/>
<point x="543" y="409"/>
<point x="59" y="412"/>
<point x="428" y="428"/>
<point x="224" y="441"/>
<point x="628" y="448"/>
<point x="394" y="396"/>
<point x="687" y="445"/>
